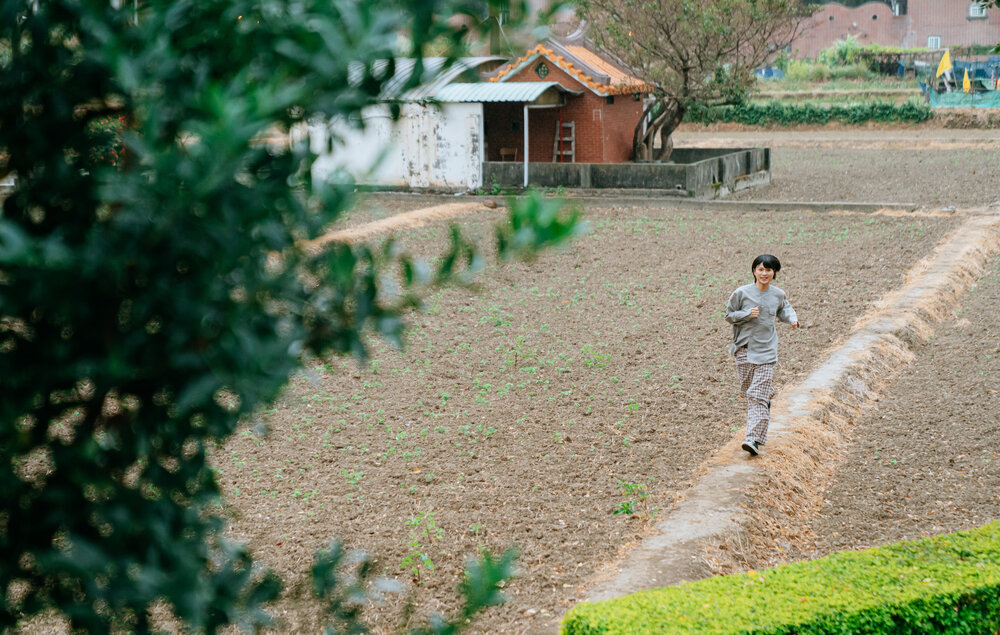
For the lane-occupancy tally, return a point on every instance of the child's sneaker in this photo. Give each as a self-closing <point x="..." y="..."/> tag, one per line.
<point x="751" y="447"/>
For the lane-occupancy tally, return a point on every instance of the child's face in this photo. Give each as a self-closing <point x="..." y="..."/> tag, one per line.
<point x="762" y="274"/>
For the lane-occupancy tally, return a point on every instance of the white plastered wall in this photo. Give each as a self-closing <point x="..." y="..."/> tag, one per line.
<point x="436" y="147"/>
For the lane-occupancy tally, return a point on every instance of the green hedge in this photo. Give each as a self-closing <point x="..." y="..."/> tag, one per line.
<point x="790" y="114"/>
<point x="945" y="584"/>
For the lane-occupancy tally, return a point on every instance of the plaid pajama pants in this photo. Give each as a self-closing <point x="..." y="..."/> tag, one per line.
<point x="756" y="384"/>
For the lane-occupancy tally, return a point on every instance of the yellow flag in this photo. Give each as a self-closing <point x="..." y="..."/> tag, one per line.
<point x="966" y="84"/>
<point x="945" y="63"/>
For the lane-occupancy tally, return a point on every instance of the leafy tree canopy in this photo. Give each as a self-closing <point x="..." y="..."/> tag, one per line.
<point x="146" y="308"/>
<point x="691" y="51"/>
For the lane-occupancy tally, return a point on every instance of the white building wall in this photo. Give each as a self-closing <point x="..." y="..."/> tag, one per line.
<point x="428" y="147"/>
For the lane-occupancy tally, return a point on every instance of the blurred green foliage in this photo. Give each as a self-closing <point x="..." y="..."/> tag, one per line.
<point x="149" y="304"/>
<point x="108" y="148"/>
<point x="345" y="581"/>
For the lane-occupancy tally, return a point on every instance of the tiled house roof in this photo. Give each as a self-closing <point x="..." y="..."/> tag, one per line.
<point x="586" y="66"/>
<point x="593" y="60"/>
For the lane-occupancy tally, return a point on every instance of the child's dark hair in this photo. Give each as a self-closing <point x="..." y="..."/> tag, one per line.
<point x="769" y="262"/>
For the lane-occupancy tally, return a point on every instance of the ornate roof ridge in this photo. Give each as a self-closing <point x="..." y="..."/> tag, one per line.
<point x="568" y="67"/>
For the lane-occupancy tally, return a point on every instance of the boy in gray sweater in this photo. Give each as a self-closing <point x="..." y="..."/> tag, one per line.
<point x="752" y="310"/>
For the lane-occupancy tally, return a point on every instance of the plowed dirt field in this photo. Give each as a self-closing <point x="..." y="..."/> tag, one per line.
<point x="596" y="380"/>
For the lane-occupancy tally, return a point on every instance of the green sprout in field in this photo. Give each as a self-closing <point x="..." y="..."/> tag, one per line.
<point x="354" y="478"/>
<point x="637" y="501"/>
<point x="417" y="561"/>
<point x="592" y="359"/>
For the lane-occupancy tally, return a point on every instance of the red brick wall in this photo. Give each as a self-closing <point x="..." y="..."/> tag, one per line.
<point x="873" y="23"/>
<point x="949" y="20"/>
<point x="603" y="131"/>
<point x="620" y="120"/>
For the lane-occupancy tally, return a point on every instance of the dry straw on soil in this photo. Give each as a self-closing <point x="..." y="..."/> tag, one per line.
<point x="416" y="218"/>
<point x="787" y="492"/>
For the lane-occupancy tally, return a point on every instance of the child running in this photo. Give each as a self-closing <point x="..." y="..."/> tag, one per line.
<point x="752" y="310"/>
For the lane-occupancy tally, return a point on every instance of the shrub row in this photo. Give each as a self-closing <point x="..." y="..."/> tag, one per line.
<point x="790" y="114"/>
<point x="945" y="584"/>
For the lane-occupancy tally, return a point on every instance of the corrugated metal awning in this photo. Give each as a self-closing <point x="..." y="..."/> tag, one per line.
<point x="433" y="76"/>
<point x="520" y="92"/>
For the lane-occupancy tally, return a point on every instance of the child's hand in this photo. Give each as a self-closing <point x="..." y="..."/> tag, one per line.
<point x="754" y="312"/>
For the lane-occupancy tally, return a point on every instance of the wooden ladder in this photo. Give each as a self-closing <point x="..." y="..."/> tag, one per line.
<point x="564" y="145"/>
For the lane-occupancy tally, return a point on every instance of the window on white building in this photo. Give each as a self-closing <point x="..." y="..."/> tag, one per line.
<point x="933" y="41"/>
<point x="977" y="10"/>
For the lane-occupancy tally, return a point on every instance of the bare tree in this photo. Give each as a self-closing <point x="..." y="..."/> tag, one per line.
<point x="690" y="51"/>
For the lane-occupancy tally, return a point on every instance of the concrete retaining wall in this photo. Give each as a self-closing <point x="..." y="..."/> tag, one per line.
<point x="693" y="172"/>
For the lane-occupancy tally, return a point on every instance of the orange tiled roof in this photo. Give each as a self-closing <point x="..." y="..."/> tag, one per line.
<point x="621" y="83"/>
<point x="596" y="62"/>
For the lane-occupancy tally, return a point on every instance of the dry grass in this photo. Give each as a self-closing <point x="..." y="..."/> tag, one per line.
<point x="416" y="218"/>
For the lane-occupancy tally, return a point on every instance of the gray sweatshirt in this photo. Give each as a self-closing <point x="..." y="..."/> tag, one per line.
<point x="758" y="334"/>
